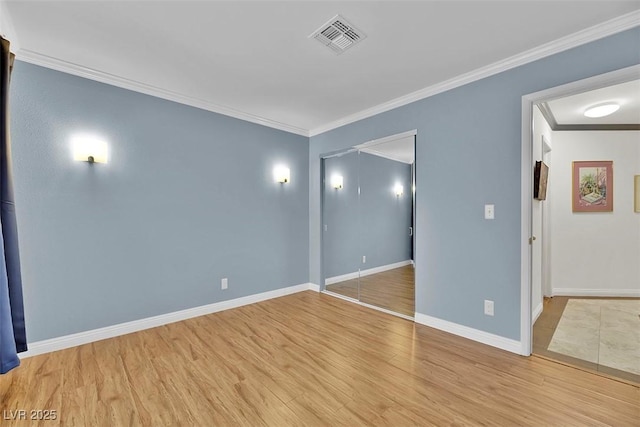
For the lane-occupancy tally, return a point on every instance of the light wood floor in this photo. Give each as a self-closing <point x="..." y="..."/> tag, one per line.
<point x="391" y="289"/>
<point x="545" y="327"/>
<point x="309" y="359"/>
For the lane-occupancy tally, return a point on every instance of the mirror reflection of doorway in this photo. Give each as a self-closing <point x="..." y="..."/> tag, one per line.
<point x="368" y="224"/>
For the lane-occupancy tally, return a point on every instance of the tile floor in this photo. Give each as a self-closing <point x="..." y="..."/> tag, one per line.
<point x="602" y="331"/>
<point x="597" y="334"/>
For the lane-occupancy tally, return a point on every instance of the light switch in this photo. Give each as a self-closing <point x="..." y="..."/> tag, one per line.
<point x="489" y="212"/>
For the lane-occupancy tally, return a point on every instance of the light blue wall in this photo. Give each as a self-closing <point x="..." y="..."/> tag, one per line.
<point x="468" y="154"/>
<point x="341" y="213"/>
<point x="384" y="217"/>
<point x="187" y="198"/>
<point x="374" y="223"/>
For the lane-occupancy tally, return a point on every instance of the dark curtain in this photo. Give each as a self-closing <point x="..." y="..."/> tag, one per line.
<point x="13" y="338"/>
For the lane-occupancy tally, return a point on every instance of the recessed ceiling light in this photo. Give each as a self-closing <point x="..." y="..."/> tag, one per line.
<point x="602" y="110"/>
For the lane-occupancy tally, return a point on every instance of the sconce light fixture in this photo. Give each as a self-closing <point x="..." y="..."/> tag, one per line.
<point x="398" y="189"/>
<point x="281" y="174"/>
<point x="336" y="181"/>
<point x="89" y="148"/>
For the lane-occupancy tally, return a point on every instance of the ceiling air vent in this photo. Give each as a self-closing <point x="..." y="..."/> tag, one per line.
<point x="338" y="34"/>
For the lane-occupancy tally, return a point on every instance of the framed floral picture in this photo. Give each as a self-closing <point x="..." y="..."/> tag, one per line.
<point x="593" y="186"/>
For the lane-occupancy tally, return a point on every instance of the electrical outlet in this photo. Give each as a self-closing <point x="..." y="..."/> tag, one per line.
<point x="364" y="259"/>
<point x="488" y="307"/>
<point x="224" y="283"/>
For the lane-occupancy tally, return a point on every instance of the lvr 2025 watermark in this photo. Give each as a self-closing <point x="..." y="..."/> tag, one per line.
<point x="30" y="414"/>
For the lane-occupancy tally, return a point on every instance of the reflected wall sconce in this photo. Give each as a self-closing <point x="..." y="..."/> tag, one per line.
<point x="398" y="190"/>
<point x="336" y="181"/>
<point x="90" y="149"/>
<point x="281" y="174"/>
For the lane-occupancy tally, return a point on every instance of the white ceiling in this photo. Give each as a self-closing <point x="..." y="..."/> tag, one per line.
<point x="570" y="110"/>
<point x="254" y="57"/>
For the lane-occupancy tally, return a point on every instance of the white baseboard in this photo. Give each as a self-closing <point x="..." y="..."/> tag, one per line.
<point x="364" y="304"/>
<point x="368" y="272"/>
<point x="73" y="340"/>
<point x="314" y="287"/>
<point x="473" y="334"/>
<point x="537" y="312"/>
<point x="574" y="292"/>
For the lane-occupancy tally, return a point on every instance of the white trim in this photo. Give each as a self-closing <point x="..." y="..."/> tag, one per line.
<point x="470" y="333"/>
<point x="313" y="287"/>
<point x="362" y="273"/>
<point x="385" y="156"/>
<point x="364" y="304"/>
<point x="537" y="312"/>
<point x="73" y="340"/>
<point x="386" y="139"/>
<point x="526" y="197"/>
<point x="341" y="278"/>
<point x="596" y="32"/>
<point x="591" y="83"/>
<point x="111" y="79"/>
<point x="573" y="292"/>
<point x="384" y="310"/>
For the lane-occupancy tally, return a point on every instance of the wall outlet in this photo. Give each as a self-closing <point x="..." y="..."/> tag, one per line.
<point x="364" y="259"/>
<point x="488" y="307"/>
<point x="224" y="283"/>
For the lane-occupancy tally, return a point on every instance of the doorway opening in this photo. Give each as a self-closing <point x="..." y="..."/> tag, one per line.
<point x="368" y="224"/>
<point x="581" y="280"/>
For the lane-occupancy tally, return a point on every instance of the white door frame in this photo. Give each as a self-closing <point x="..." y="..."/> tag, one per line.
<point x="528" y="101"/>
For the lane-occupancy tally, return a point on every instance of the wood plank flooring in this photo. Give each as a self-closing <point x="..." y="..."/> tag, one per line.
<point x="545" y="327"/>
<point x="392" y="289"/>
<point x="308" y="359"/>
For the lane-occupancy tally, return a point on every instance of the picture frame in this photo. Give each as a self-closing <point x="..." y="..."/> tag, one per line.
<point x="636" y="192"/>
<point x="592" y="186"/>
<point x="540" y="178"/>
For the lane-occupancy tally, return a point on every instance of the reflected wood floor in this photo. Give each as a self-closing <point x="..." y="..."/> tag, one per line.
<point x="545" y="327"/>
<point x="391" y="289"/>
<point x="308" y="359"/>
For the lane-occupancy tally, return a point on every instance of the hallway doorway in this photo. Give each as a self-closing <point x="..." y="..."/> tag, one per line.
<point x="584" y="285"/>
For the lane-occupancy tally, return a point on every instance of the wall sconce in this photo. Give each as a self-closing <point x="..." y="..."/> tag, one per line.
<point x="336" y="181"/>
<point x="281" y="174"/>
<point x="89" y="148"/>
<point x="398" y="189"/>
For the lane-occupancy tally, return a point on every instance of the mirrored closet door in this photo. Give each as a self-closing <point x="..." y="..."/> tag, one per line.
<point x="368" y="201"/>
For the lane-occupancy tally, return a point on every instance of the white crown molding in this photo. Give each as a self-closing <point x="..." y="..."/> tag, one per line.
<point x="99" y="76"/>
<point x="607" y="28"/>
<point x="385" y="155"/>
<point x="386" y="139"/>
<point x="470" y="333"/>
<point x="596" y="32"/>
<point x="73" y="340"/>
